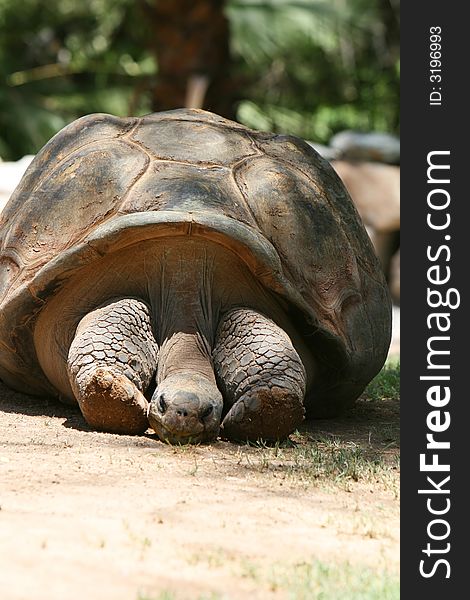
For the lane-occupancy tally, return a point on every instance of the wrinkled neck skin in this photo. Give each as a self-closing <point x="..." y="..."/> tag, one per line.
<point x="184" y="312"/>
<point x="184" y="315"/>
<point x="187" y="405"/>
<point x="185" y="351"/>
<point x="195" y="286"/>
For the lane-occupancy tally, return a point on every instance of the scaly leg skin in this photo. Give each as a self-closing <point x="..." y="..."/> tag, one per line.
<point x="261" y="376"/>
<point x="111" y="362"/>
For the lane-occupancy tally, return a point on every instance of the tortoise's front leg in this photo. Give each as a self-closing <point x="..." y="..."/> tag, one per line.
<point x="111" y="362"/>
<point x="261" y="376"/>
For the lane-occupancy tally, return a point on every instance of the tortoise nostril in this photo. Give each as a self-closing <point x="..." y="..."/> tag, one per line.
<point x="207" y="412"/>
<point x="182" y="413"/>
<point x="161" y="405"/>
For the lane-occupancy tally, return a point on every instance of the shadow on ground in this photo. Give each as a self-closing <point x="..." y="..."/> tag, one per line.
<point x="373" y="426"/>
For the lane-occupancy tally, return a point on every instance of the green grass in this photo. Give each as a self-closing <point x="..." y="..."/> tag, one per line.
<point x="323" y="460"/>
<point x="386" y="384"/>
<point x="315" y="580"/>
<point x="318" y="580"/>
<point x="362" y="446"/>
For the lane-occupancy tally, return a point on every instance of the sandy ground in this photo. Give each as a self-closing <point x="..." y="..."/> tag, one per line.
<point x="92" y="515"/>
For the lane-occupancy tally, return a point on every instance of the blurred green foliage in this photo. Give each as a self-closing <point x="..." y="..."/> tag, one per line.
<point x="61" y="59"/>
<point x="321" y="66"/>
<point x="308" y="67"/>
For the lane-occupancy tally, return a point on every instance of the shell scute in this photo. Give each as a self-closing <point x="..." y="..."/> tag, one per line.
<point x="89" y="185"/>
<point x="203" y="143"/>
<point x="299" y="223"/>
<point x="184" y="187"/>
<point x="87" y="130"/>
<point x="302" y="159"/>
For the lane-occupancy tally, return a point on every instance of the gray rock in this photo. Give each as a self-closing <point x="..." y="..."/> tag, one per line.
<point x="354" y="145"/>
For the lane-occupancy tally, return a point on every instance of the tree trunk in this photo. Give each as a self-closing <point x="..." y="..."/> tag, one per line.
<point x="191" y="42"/>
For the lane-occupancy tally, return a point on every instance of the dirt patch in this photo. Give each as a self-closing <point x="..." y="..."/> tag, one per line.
<point x="91" y="515"/>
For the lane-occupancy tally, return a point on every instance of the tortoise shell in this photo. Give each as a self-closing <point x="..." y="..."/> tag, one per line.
<point x="104" y="183"/>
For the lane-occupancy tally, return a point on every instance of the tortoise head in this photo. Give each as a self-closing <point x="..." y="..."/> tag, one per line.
<point x="186" y="408"/>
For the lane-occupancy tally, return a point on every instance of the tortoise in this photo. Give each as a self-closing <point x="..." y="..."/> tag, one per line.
<point x="183" y="271"/>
